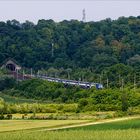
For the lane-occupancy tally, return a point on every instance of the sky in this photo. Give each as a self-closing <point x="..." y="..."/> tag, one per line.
<point x="59" y="10"/>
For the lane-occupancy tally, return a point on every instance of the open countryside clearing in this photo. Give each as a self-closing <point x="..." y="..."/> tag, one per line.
<point x="127" y="128"/>
<point x="12" y="125"/>
<point x="43" y="125"/>
<point x="118" y="129"/>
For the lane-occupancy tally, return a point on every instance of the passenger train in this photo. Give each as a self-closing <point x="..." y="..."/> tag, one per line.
<point x="71" y="82"/>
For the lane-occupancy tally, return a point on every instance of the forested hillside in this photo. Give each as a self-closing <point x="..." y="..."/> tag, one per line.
<point x="73" y="49"/>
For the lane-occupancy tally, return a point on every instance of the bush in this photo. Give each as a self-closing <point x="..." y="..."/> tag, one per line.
<point x="50" y="110"/>
<point x="7" y="83"/>
<point x="133" y="110"/>
<point x="9" y="116"/>
<point x="1" y="116"/>
<point x="70" y="108"/>
<point x="82" y="103"/>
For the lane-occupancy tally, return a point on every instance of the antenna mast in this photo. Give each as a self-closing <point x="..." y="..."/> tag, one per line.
<point x="84" y="15"/>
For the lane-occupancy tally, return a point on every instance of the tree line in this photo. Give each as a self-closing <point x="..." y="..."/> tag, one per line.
<point x="74" y="49"/>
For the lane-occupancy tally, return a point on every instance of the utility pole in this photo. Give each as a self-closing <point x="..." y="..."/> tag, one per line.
<point x="23" y="75"/>
<point x="17" y="74"/>
<point x="38" y="73"/>
<point x="134" y="82"/>
<point x="119" y="80"/>
<point x="100" y="78"/>
<point x="52" y="50"/>
<point x="31" y="72"/>
<point x="107" y="83"/>
<point x="122" y="86"/>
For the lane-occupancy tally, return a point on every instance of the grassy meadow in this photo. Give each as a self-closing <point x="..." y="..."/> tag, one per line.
<point x="121" y="130"/>
<point x="13" y="125"/>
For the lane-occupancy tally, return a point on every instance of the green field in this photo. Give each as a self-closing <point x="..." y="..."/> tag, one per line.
<point x="120" y="125"/>
<point x="121" y="130"/>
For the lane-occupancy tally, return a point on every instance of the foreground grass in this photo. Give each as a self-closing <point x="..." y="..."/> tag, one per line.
<point x="121" y="130"/>
<point x="74" y="135"/>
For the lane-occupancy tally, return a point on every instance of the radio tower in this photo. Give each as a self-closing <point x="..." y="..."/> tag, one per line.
<point x="84" y="15"/>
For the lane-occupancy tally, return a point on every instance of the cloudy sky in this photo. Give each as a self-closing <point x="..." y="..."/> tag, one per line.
<point x="59" y="10"/>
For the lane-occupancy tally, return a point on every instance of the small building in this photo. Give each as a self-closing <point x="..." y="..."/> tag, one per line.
<point x="11" y="65"/>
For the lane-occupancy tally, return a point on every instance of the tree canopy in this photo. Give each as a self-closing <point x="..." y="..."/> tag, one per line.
<point x="70" y="46"/>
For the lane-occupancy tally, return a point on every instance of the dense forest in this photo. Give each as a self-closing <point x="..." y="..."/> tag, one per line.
<point x="74" y="49"/>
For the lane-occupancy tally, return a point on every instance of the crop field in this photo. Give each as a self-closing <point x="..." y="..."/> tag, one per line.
<point x="121" y="130"/>
<point x="120" y="125"/>
<point x="13" y="125"/>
